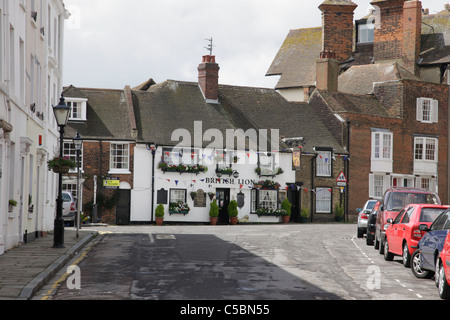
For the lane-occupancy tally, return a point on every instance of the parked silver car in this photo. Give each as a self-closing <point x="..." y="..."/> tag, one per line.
<point x="363" y="217"/>
<point x="69" y="207"/>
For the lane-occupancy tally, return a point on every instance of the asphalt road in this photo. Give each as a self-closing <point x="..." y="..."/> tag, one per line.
<point x="243" y="262"/>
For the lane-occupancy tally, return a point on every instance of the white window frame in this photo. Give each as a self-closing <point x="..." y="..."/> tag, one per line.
<point x="427" y="182"/>
<point x="323" y="200"/>
<point x="378" y="184"/>
<point x="70" y="152"/>
<point x="268" y="199"/>
<point x="426" y="153"/>
<point x="366" y="33"/>
<point x="427" y="110"/>
<point x="81" y="105"/>
<point x="323" y="164"/>
<point x="382" y="145"/>
<point x="177" y="195"/>
<point x="125" y="162"/>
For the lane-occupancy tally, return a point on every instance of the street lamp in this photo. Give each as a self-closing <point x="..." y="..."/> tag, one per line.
<point x="152" y="146"/>
<point x="61" y="112"/>
<point x="78" y="143"/>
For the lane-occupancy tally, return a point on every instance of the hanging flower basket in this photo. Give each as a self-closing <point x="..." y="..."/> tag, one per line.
<point x="61" y="165"/>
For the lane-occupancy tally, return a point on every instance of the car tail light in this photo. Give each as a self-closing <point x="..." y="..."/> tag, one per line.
<point x="72" y="206"/>
<point x="364" y="216"/>
<point x="416" y="234"/>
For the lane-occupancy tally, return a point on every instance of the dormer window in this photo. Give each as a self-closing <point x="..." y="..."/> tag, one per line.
<point x="78" y="109"/>
<point x="365" y="32"/>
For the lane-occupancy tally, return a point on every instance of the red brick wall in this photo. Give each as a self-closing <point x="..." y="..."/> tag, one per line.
<point x="388" y="36"/>
<point x="337" y="29"/>
<point x="96" y="162"/>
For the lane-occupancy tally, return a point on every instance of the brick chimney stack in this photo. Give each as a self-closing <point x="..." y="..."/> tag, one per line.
<point x="327" y="72"/>
<point x="208" y="78"/>
<point x="388" y="34"/>
<point x="412" y="30"/>
<point x="337" y="27"/>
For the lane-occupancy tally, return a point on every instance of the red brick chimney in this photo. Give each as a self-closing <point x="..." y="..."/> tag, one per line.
<point x="412" y="30"/>
<point x="208" y="78"/>
<point x="327" y="72"/>
<point x="398" y="32"/>
<point x="337" y="27"/>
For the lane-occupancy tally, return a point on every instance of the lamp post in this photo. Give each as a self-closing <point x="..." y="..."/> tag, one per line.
<point x="61" y="112"/>
<point x="78" y="143"/>
<point x="153" y="148"/>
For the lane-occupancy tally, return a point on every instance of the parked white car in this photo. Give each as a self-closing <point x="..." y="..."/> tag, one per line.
<point x="69" y="207"/>
<point x="363" y="217"/>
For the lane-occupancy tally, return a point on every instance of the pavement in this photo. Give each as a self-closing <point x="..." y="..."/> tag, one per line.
<point x="27" y="268"/>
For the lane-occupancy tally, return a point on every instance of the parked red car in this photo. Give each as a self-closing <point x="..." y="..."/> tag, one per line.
<point x="403" y="233"/>
<point x="444" y="270"/>
<point x="393" y="200"/>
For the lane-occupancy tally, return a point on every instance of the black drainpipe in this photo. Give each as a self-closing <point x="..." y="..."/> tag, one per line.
<point x="313" y="160"/>
<point x="347" y="167"/>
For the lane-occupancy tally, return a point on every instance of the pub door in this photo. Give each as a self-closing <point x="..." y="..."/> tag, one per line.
<point x="123" y="207"/>
<point x="223" y="199"/>
<point x="294" y="199"/>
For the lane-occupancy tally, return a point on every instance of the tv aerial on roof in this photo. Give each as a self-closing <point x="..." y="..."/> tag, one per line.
<point x="210" y="46"/>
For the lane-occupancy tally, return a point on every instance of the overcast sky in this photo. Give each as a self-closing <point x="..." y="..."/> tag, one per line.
<point x="113" y="43"/>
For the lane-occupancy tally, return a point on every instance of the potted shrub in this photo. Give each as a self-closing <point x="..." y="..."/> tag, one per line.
<point x="159" y="214"/>
<point x="286" y="205"/>
<point x="213" y="213"/>
<point x="12" y="204"/>
<point x="304" y="214"/>
<point x="338" y="213"/>
<point x="61" y="165"/>
<point x="233" y="211"/>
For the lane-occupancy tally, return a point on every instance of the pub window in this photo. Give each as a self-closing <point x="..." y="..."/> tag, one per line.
<point x="323" y="164"/>
<point x="120" y="157"/>
<point x="264" y="199"/>
<point x="177" y="195"/>
<point x="323" y="200"/>
<point x="177" y="156"/>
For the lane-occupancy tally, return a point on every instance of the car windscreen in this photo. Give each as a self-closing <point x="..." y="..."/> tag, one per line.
<point x="398" y="200"/>
<point x="430" y="214"/>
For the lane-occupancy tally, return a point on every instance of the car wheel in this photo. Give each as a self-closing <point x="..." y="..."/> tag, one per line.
<point x="377" y="244"/>
<point x="406" y="256"/>
<point x="360" y="233"/>
<point x="436" y="274"/>
<point x="387" y="255"/>
<point x="444" y="288"/>
<point x="381" y="247"/>
<point x="369" y="240"/>
<point x="415" y="266"/>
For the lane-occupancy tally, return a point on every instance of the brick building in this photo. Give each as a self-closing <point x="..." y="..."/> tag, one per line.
<point x="387" y="101"/>
<point x="104" y="119"/>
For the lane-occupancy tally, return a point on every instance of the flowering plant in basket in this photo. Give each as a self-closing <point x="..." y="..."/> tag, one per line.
<point x="58" y="162"/>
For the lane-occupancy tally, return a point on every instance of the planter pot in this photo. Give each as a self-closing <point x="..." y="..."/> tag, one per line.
<point x="213" y="221"/>
<point x="233" y="220"/>
<point x="303" y="219"/>
<point x="338" y="219"/>
<point x="61" y="169"/>
<point x="159" y="221"/>
<point x="285" y="219"/>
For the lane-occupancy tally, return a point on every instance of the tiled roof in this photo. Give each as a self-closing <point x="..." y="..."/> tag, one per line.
<point x="360" y="79"/>
<point x="107" y="114"/>
<point x="436" y="38"/>
<point x="296" y="59"/>
<point x="172" y="105"/>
